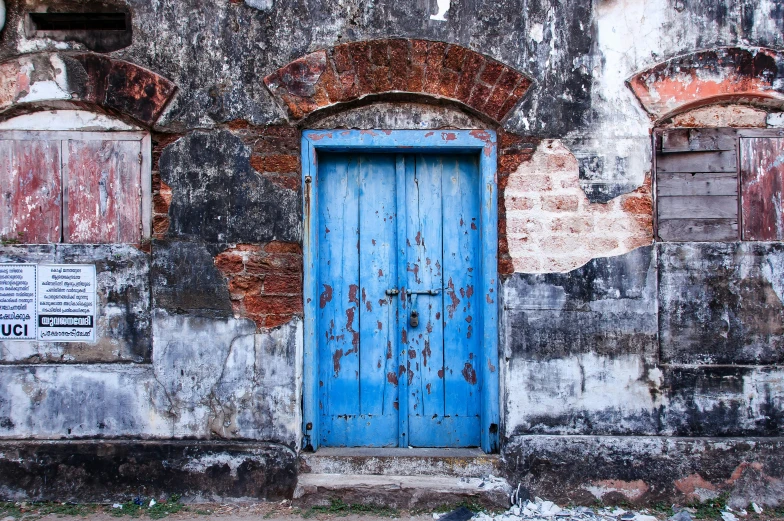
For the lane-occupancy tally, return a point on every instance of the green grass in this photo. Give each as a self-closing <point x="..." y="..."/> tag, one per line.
<point x="44" y="508"/>
<point x="710" y="509"/>
<point x="158" y="511"/>
<point x="473" y="506"/>
<point x="9" y="509"/>
<point x="338" y="508"/>
<point x="35" y="510"/>
<point x="5" y="241"/>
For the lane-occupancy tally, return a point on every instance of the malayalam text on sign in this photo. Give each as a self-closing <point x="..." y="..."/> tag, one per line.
<point x="17" y="301"/>
<point x="51" y="302"/>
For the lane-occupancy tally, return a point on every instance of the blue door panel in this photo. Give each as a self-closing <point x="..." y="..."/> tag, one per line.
<point x="377" y="274"/>
<point x="356" y="399"/>
<point x="425" y="343"/>
<point x="462" y="278"/>
<point x="375" y="364"/>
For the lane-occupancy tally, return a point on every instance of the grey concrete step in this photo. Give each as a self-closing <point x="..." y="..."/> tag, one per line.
<point x="400" y="492"/>
<point x="460" y="463"/>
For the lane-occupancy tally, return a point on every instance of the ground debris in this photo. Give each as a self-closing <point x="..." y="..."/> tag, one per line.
<point x="539" y="509"/>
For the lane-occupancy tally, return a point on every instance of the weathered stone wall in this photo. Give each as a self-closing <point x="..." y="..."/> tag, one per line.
<point x="674" y="340"/>
<point x="610" y="345"/>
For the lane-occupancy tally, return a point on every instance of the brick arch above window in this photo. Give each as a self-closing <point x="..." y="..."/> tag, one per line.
<point x="58" y="80"/>
<point x="722" y="75"/>
<point x="376" y="69"/>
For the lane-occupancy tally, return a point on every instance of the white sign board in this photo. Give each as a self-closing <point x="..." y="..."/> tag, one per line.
<point x="51" y="302"/>
<point x="66" y="302"/>
<point x="17" y="301"/>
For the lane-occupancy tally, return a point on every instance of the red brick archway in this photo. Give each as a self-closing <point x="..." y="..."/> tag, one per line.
<point x="367" y="69"/>
<point x="57" y="80"/>
<point x="727" y="74"/>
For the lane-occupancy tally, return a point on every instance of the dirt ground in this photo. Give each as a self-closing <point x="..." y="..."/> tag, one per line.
<point x="253" y="511"/>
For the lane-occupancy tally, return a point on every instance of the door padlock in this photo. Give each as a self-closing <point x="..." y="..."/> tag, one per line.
<point x="413" y="319"/>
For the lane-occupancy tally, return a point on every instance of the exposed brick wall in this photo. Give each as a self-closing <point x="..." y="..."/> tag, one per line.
<point x="513" y="150"/>
<point x="436" y="69"/>
<point x="551" y="226"/>
<point x="275" y="151"/>
<point x="161" y="199"/>
<point x="265" y="281"/>
<point x="114" y="85"/>
<point x="161" y="192"/>
<point x="706" y="77"/>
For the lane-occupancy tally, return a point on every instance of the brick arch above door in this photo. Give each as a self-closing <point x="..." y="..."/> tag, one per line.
<point x="380" y="69"/>
<point x="82" y="80"/>
<point x="721" y="75"/>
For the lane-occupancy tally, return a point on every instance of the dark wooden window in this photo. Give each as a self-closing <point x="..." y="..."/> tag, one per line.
<point x="719" y="184"/>
<point x="74" y="187"/>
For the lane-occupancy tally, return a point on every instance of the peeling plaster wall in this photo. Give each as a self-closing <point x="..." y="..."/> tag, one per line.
<point x="552" y="226"/>
<point x="123" y="322"/>
<point x="610" y="345"/>
<point x="678" y="312"/>
<point x="209" y="379"/>
<point x="580" y="56"/>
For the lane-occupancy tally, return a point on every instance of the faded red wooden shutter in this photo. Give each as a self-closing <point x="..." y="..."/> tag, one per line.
<point x="30" y="191"/>
<point x="103" y="196"/>
<point x="762" y="187"/>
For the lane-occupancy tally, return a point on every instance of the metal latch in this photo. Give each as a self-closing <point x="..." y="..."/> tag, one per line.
<point x="424" y="292"/>
<point x="392" y="292"/>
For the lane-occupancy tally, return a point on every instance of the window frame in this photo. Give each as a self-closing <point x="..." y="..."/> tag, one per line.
<point x="145" y="164"/>
<point x="740" y="133"/>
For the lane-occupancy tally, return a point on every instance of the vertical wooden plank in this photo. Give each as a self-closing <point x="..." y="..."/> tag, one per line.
<point x="762" y="188"/>
<point x="310" y="365"/>
<point x="404" y="170"/>
<point x="145" y="169"/>
<point x="30" y="191"/>
<point x="462" y="280"/>
<point x="488" y="190"/>
<point x="339" y="271"/>
<point x="128" y="192"/>
<point x="104" y="192"/>
<point x="377" y="273"/>
<point x="424" y="241"/>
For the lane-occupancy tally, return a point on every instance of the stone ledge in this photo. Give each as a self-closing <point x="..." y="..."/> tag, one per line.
<point x="116" y="470"/>
<point x="460" y="463"/>
<point x="400" y="492"/>
<point x="648" y="469"/>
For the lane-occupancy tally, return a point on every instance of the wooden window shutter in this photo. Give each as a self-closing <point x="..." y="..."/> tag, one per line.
<point x="74" y="187"/>
<point x="762" y="188"/>
<point x="30" y="191"/>
<point x="103" y="191"/>
<point x="697" y="185"/>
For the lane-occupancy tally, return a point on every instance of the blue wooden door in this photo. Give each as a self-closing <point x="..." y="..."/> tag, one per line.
<point x="398" y="264"/>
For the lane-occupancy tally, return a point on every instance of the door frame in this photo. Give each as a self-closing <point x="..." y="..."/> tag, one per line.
<point x="479" y="141"/>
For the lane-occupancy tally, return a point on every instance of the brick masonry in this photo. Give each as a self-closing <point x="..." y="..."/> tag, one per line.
<point x="705" y="77"/>
<point x="115" y="86"/>
<point x="265" y="281"/>
<point x="275" y="151"/>
<point x="434" y="69"/>
<point x="549" y="225"/>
